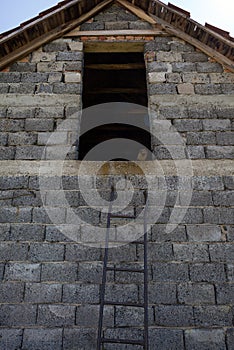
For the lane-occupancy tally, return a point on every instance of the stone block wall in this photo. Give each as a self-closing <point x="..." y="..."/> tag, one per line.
<point x="50" y="281"/>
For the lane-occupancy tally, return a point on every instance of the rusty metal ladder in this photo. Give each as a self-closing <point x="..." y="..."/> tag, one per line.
<point x="102" y="340"/>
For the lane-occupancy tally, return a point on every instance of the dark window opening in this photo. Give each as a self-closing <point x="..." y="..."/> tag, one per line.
<point x="115" y="77"/>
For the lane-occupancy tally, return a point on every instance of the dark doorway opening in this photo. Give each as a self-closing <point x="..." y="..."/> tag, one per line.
<point x="117" y="79"/>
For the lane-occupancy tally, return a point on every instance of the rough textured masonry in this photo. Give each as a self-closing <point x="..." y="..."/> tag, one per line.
<point x="50" y="283"/>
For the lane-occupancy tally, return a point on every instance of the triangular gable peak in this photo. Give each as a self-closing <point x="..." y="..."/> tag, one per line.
<point x="68" y="15"/>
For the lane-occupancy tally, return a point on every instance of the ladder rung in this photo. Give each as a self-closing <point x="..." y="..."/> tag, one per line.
<point x="118" y="303"/>
<point x="124" y="269"/>
<point x="122" y="216"/>
<point x="123" y="341"/>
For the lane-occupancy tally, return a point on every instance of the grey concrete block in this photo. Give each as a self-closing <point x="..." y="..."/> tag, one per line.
<point x="2" y="269"/>
<point x="196" y="152"/>
<point x="7" y="125"/>
<point x="125" y="15"/>
<point x="13" y="182"/>
<point x="22" y="138"/>
<point x="187" y="125"/>
<point x="55" y="233"/>
<point x="93" y="26"/>
<point x="230" y="338"/>
<point x="4" y="88"/>
<point x="81" y="293"/>
<point x="11" y="339"/>
<point x="225" y="293"/>
<point x="223" y="198"/>
<point x="18" y="315"/>
<point x="199" y="198"/>
<point x="3" y="138"/>
<point x="88" y="315"/>
<point x="56" y="315"/>
<point x="225" y="138"/>
<point x="15" y="214"/>
<point x="196" y="293"/>
<point x="208" y="89"/>
<point x="43" y="339"/>
<point x="11" y="292"/>
<point x="201" y="138"/>
<point x="193" y="216"/>
<point x="79" y="252"/>
<point x="29" y="152"/>
<point x="122" y="254"/>
<point x="209" y="67"/>
<point x="69" y="56"/>
<point x="157" y="66"/>
<point x="39" y="124"/>
<point x="181" y="47"/>
<point x="7" y="153"/>
<point x="13" y="251"/>
<point x="10" y="77"/>
<point x="205" y="183"/>
<point x="203" y="339"/>
<point x="44" y="88"/>
<point x="229" y="182"/>
<point x="204" y="233"/>
<point x="166" y="339"/>
<point x="20" y="112"/>
<point x="23" y="67"/>
<point x="81" y="338"/>
<point x="129" y="316"/>
<point x="4" y="232"/>
<point x="55" y="46"/>
<point x="220" y="152"/>
<point x="27" y="232"/>
<point x="174" y="316"/>
<point x="230" y="272"/>
<point x="207" y="316"/>
<point x="207" y="272"/>
<point x="169" y="272"/>
<point x="83" y="215"/>
<point x="26" y="198"/>
<point x="222" y="252"/>
<point x="157" y="252"/>
<point x="222" y="216"/>
<point x="6" y="198"/>
<point x="227" y="89"/>
<point x="195" y="57"/>
<point x="34" y="77"/>
<point x="162" y="293"/>
<point x="22" y="272"/>
<point x="217" y="124"/>
<point x="62" y="88"/>
<point x="43" y="293"/>
<point x="46" y="252"/>
<point x="161" y="89"/>
<point x="159" y="234"/>
<point x="59" y="272"/>
<point x="22" y="88"/>
<point x="40" y="215"/>
<point x="73" y="66"/>
<point x="191" y="252"/>
<point x="90" y="272"/>
<point x="116" y="25"/>
<point x="140" y="25"/>
<point x="182" y="67"/>
<point x="116" y="292"/>
<point x="49" y="112"/>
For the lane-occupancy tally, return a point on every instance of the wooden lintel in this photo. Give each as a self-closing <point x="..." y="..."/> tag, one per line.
<point x="100" y="46"/>
<point x="137" y="11"/>
<point x="128" y="32"/>
<point x="115" y="66"/>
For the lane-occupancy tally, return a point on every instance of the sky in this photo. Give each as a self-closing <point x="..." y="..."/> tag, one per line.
<point x="216" y="12"/>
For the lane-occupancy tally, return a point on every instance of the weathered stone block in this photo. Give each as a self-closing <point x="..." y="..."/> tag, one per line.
<point x="46" y="252"/>
<point x="22" y="138"/>
<point x="223" y="198"/>
<point x="59" y="272"/>
<point x="166" y="339"/>
<point x="67" y="88"/>
<point x="75" y="46"/>
<point x="162" y="293"/>
<point x="15" y="252"/>
<point x="81" y="293"/>
<point x="195" y="57"/>
<point x="225" y="293"/>
<point x="43" y="293"/>
<point x="79" y="338"/>
<point x="174" y="316"/>
<point x="22" y="272"/>
<point x="129" y="316"/>
<point x="170" y="272"/>
<point x="186" y="89"/>
<point x="161" y="89"/>
<point x="191" y="252"/>
<point x="69" y="56"/>
<point x="57" y="45"/>
<point x="56" y="315"/>
<point x="11" y="292"/>
<point x="71" y="77"/>
<point x="201" y="138"/>
<point x="11" y="77"/>
<point x="50" y="67"/>
<point x="220" y="152"/>
<point x="13" y="182"/>
<point x="157" y="77"/>
<point x="225" y="138"/>
<point x="196" y="152"/>
<point x="204" y="183"/>
<point x="43" y="339"/>
<point x="7" y="153"/>
<point x="18" y="315"/>
<point x="173" y="78"/>
<point x="140" y="25"/>
<point x="158" y="66"/>
<point x="207" y="272"/>
<point x="93" y="26"/>
<point x="182" y="67"/>
<point x="34" y="77"/>
<point x="203" y="339"/>
<point x="204" y="233"/>
<point x="87" y="316"/>
<point x="208" y="89"/>
<point x="29" y="152"/>
<point x="27" y="232"/>
<point x="15" y="214"/>
<point x="209" y="67"/>
<point x="187" y="125"/>
<point x="196" y="294"/>
<point x="7" y="125"/>
<point x="11" y="338"/>
<point x="23" y="88"/>
<point x="39" y="56"/>
<point x="76" y="251"/>
<point x="196" y="78"/>
<point x="169" y="57"/>
<point x="207" y="316"/>
<point x="23" y="67"/>
<point x="39" y="124"/>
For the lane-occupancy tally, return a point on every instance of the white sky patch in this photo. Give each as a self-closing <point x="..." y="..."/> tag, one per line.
<point x="216" y="12"/>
